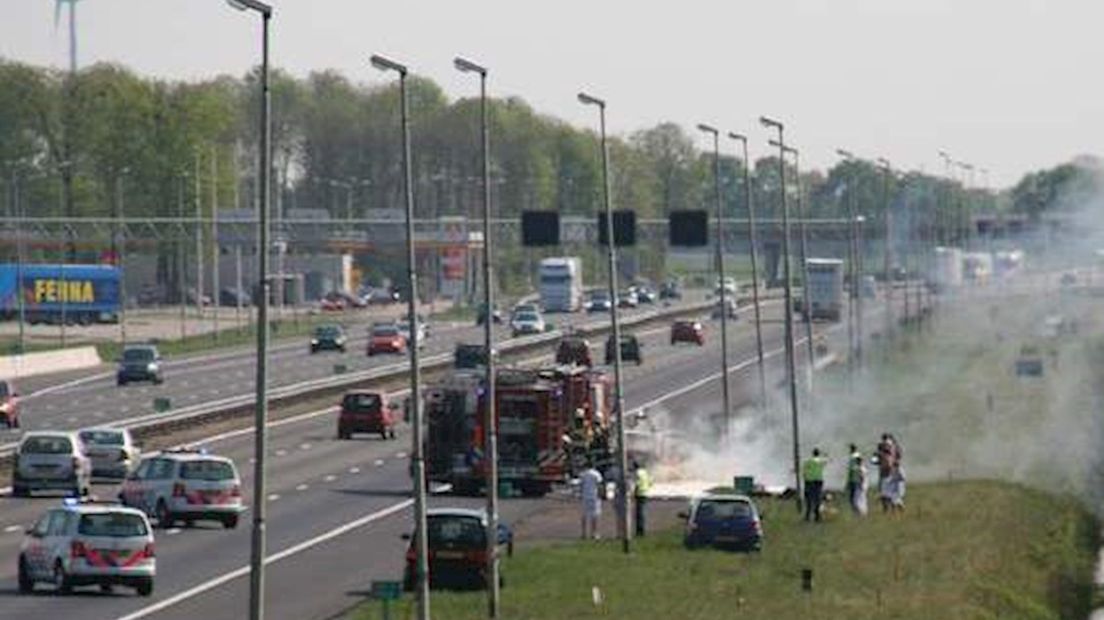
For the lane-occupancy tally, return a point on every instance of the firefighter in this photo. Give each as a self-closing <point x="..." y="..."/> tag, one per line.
<point x="578" y="440"/>
<point x="642" y="485"/>
<point x="813" y="473"/>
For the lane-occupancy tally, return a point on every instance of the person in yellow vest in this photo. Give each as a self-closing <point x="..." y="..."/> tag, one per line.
<point x="642" y="485"/>
<point x="812" y="473"/>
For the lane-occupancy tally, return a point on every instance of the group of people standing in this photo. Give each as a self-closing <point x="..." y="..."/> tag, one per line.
<point x="891" y="479"/>
<point x="592" y="492"/>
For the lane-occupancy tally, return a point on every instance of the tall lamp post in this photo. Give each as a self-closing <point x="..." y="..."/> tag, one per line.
<point x="753" y="243"/>
<point x="791" y="365"/>
<point x="118" y="240"/>
<point x="257" y="543"/>
<point x="490" y="421"/>
<point x="854" y="310"/>
<point x="619" y="397"/>
<point x="887" y="232"/>
<point x="725" y="398"/>
<point x="803" y="249"/>
<point x="422" y="545"/>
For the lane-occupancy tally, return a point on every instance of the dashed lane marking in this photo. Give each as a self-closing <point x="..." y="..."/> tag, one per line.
<point x="302" y="487"/>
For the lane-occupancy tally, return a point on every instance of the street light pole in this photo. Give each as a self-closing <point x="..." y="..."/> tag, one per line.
<point x="260" y="448"/>
<point x="753" y="243"/>
<point x="806" y="308"/>
<point x="854" y="310"/>
<point x="887" y="223"/>
<point x="619" y="396"/>
<point x="120" y="252"/>
<point x="725" y="398"/>
<point x="791" y="365"/>
<point x="422" y="544"/>
<point x="490" y="419"/>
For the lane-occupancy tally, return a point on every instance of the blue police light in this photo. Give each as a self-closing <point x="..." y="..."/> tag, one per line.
<point x="70" y="501"/>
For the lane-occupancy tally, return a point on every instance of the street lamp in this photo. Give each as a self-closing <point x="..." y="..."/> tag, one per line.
<point x="754" y="267"/>
<point x="791" y="365"/>
<point x="490" y="419"/>
<point x="257" y="543"/>
<point x="725" y="399"/>
<point x="887" y="259"/>
<point x="622" y="456"/>
<point x="118" y="251"/>
<point x="802" y="232"/>
<point x="854" y="310"/>
<point x="422" y="544"/>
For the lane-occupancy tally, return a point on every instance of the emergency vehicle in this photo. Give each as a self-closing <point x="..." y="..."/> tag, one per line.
<point x="185" y="484"/>
<point x="88" y="543"/>
<point x="549" y="422"/>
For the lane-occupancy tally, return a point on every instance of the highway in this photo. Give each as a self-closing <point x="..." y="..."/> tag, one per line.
<point x="92" y="398"/>
<point x="356" y="492"/>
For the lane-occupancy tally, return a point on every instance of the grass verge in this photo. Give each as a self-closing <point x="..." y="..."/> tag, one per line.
<point x="967" y="549"/>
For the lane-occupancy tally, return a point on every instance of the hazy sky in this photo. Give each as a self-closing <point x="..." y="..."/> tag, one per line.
<point x="1010" y="85"/>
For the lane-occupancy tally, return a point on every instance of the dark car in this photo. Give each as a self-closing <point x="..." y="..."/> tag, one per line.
<point x="726" y="521"/>
<point x="481" y="316"/>
<point x="139" y="363"/>
<point x="687" y="331"/>
<point x="365" y="412"/>
<point x="670" y="290"/>
<point x="234" y="297"/>
<point x="645" y="294"/>
<point x="469" y="356"/>
<point x="457" y="549"/>
<point x="574" y="350"/>
<point x="598" y="301"/>
<point x="631" y="349"/>
<point x="328" y="338"/>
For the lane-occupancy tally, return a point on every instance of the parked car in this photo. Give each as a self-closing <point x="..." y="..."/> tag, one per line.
<point x="597" y="301"/>
<point x="9" y="404"/>
<point x="328" y="338"/>
<point x="380" y="296"/>
<point x="723" y="520"/>
<point x="631" y="349"/>
<point x="469" y="356"/>
<point x="628" y="299"/>
<point x="687" y="331"/>
<point x="185" y="484"/>
<point x="670" y="290"/>
<point x="527" y="323"/>
<point x="140" y="362"/>
<point x="364" y="412"/>
<point x="88" y="543"/>
<point x="331" y="304"/>
<point x="50" y="461"/>
<point x="574" y="350"/>
<point x="111" y="450"/>
<point x="457" y="541"/>
<point x="232" y="297"/>
<point x="386" y="338"/>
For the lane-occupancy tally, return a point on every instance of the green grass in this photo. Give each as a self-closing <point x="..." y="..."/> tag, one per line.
<point x="974" y="549"/>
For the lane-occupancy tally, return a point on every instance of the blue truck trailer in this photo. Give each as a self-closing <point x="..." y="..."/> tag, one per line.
<point x="73" y="294"/>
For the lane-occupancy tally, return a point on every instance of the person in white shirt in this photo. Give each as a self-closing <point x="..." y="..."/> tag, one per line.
<point x="590" y="490"/>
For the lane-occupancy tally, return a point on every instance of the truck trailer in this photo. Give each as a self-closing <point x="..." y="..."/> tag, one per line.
<point x="73" y="294"/>
<point x="825" y="288"/>
<point x="561" y="284"/>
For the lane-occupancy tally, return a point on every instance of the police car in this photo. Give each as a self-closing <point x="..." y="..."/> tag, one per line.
<point x="86" y="543"/>
<point x="185" y="485"/>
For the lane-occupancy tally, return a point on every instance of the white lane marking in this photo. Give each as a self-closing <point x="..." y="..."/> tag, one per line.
<point x="72" y="419"/>
<point x="125" y="409"/>
<point x="400" y="455"/>
<point x="172" y="531"/>
<point x="273" y="497"/>
<point x="354" y="470"/>
<point x="378" y="463"/>
<point x="292" y="420"/>
<point x="99" y="414"/>
<point x="330" y="478"/>
<point x="12" y="528"/>
<point x="304" y="446"/>
<point x="281" y="452"/>
<point x="68" y="384"/>
<point x="276" y="557"/>
<point x="302" y="487"/>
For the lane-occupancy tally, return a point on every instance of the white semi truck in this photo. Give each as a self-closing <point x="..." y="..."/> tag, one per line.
<point x="825" y="288"/>
<point x="947" y="269"/>
<point x="561" y="284"/>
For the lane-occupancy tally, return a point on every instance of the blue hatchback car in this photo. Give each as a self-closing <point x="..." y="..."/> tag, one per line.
<point x="726" y="521"/>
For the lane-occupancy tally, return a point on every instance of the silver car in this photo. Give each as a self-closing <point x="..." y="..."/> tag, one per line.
<point x="111" y="450"/>
<point x="82" y="544"/>
<point x="185" y="485"/>
<point x="50" y="460"/>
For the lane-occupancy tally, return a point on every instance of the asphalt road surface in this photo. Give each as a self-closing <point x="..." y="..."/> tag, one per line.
<point x="337" y="509"/>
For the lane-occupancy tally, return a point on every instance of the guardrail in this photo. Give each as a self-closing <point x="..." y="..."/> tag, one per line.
<point x="153" y="424"/>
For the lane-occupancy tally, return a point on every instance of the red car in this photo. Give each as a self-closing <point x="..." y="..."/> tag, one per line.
<point x="386" y="339"/>
<point x="332" y="304"/>
<point x="687" y="331"/>
<point x="9" y="404"/>
<point x="364" y="412"/>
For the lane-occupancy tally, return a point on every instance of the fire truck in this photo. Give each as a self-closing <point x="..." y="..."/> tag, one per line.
<point x="550" y="421"/>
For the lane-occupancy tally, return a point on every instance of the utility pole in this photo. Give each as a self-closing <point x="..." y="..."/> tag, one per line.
<point x="806" y="307"/>
<point x="791" y="363"/>
<point x="726" y="400"/>
<point x="182" y="258"/>
<point x="120" y="253"/>
<point x="215" y="260"/>
<point x="753" y="243"/>
<point x="887" y="266"/>
<point x="198" y="241"/>
<point x="21" y="292"/>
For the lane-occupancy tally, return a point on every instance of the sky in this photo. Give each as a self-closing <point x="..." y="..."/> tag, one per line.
<point x="1006" y="85"/>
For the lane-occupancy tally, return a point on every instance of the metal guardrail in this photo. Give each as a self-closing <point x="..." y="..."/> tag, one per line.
<point x="160" y="423"/>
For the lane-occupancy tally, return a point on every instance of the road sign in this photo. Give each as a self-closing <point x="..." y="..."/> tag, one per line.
<point x="386" y="590"/>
